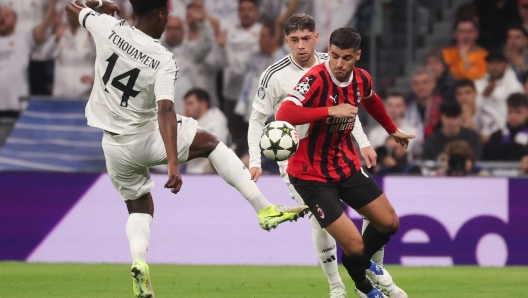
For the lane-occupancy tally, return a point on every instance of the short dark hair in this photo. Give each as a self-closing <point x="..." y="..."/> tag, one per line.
<point x="143" y="7"/>
<point x="518" y="28"/>
<point x="451" y="109"/>
<point x="435" y="53"/>
<point x="465" y="20"/>
<point x="299" y="21"/>
<point x="465" y="83"/>
<point x="200" y="94"/>
<point x="517" y="100"/>
<point x="255" y="2"/>
<point x="345" y="38"/>
<point x="271" y="27"/>
<point x="395" y="94"/>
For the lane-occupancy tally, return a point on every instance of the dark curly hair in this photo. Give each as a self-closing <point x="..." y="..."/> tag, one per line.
<point x="143" y="7"/>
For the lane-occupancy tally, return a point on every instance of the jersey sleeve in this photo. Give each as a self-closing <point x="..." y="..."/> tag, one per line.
<point x="97" y="24"/>
<point x="306" y="91"/>
<point x="165" y="79"/>
<point x="268" y="94"/>
<point x="367" y="83"/>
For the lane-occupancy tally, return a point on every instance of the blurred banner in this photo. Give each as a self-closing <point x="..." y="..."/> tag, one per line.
<point x="57" y="217"/>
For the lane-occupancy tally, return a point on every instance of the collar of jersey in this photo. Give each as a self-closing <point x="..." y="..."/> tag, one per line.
<point x="146" y="35"/>
<point x="317" y="61"/>
<point x="336" y="81"/>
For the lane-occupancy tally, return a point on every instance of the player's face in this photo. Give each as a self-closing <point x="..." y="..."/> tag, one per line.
<point x="466" y="95"/>
<point x="466" y="34"/>
<point x="248" y="14"/>
<point x="174" y="31"/>
<point x="423" y="85"/>
<point x="517" y="116"/>
<point x="7" y="20"/>
<point x="163" y="17"/>
<point x="395" y="106"/>
<point x="342" y="62"/>
<point x="516" y="40"/>
<point x="302" y="44"/>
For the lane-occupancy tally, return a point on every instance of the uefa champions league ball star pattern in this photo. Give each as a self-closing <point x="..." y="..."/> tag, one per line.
<point x="279" y="140"/>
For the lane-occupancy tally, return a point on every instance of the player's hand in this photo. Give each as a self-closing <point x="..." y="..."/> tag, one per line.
<point x="110" y="8"/>
<point x="255" y="173"/>
<point x="402" y="138"/>
<point x="343" y="110"/>
<point x="369" y="155"/>
<point x="175" y="181"/>
<point x="86" y="79"/>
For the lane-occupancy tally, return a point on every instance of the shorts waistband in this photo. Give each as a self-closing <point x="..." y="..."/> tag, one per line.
<point x="117" y="139"/>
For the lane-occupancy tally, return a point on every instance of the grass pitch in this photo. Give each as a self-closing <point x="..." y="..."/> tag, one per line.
<point x="107" y="280"/>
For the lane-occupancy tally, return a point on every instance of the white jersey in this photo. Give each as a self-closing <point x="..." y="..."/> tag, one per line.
<point x="132" y="72"/>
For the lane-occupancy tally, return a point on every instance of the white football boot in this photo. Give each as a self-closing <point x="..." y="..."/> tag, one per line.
<point x="382" y="280"/>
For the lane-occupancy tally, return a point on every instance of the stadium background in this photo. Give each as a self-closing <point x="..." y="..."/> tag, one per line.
<point x="58" y="206"/>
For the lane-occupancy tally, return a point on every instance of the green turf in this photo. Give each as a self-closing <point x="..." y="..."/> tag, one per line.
<point x="76" y="280"/>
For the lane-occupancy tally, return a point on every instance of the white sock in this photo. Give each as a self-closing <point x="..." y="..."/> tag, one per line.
<point x="325" y="246"/>
<point x="233" y="171"/>
<point x="138" y="233"/>
<point x="380" y="254"/>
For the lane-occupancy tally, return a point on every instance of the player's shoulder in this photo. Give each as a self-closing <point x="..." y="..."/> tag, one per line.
<point x="365" y="75"/>
<point x="275" y="71"/>
<point x="316" y="70"/>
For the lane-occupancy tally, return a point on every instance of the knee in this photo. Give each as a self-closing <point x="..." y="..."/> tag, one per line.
<point x="392" y="226"/>
<point x="353" y="248"/>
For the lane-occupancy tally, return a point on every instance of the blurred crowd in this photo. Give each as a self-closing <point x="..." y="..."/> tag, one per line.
<point x="468" y="101"/>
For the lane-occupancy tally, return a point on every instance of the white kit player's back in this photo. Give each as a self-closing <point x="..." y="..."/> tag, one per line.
<point x="132" y="72"/>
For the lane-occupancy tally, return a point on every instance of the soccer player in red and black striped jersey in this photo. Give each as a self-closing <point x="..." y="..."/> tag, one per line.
<point x="326" y="168"/>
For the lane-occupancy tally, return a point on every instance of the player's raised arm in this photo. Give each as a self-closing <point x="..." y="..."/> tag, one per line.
<point x="74" y="7"/>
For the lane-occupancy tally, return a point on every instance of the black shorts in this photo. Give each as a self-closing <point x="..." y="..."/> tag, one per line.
<point x="324" y="199"/>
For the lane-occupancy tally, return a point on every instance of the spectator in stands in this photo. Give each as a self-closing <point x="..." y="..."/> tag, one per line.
<point x="74" y="52"/>
<point x="459" y="160"/>
<point x="524" y="82"/>
<point x="396" y="108"/>
<point x="494" y="18"/>
<point x="466" y="95"/>
<point x="332" y="14"/>
<point x="511" y="142"/>
<point x="392" y="159"/>
<point x="198" y="106"/>
<point x="493" y="90"/>
<point x="207" y="68"/>
<point x="15" y="49"/>
<point x="239" y="43"/>
<point x="277" y="11"/>
<point x="445" y="82"/>
<point x="517" y="50"/>
<point x="466" y="59"/>
<point x="188" y="53"/>
<point x="523" y="12"/>
<point x="270" y="52"/>
<point x="524" y="165"/>
<point x="451" y="130"/>
<point x="467" y="11"/>
<point x="424" y="110"/>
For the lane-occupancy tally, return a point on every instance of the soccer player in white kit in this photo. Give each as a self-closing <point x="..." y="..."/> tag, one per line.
<point x="132" y="100"/>
<point x="275" y="85"/>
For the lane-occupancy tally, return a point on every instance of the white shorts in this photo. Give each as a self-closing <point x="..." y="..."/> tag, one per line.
<point x="128" y="157"/>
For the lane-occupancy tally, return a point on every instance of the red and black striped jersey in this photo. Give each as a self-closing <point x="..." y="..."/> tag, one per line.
<point x="326" y="150"/>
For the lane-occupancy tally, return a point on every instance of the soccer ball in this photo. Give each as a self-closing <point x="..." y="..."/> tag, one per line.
<point x="279" y="140"/>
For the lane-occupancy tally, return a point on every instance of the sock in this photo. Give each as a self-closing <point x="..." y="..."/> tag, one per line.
<point x="355" y="266"/>
<point x="380" y="254"/>
<point x="374" y="240"/>
<point x="233" y="171"/>
<point x="325" y="246"/>
<point x="138" y="233"/>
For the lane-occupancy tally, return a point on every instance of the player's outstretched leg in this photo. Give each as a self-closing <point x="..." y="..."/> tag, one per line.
<point x="379" y="276"/>
<point x="233" y="171"/>
<point x="138" y="233"/>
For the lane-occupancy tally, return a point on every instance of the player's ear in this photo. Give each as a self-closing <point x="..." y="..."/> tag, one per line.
<point x="316" y="37"/>
<point x="358" y="54"/>
<point x="328" y="51"/>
